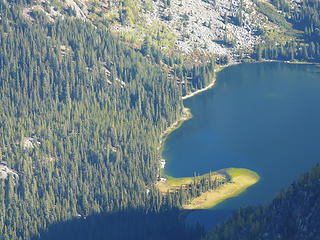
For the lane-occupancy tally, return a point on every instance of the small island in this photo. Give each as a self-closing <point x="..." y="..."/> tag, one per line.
<point x="220" y="185"/>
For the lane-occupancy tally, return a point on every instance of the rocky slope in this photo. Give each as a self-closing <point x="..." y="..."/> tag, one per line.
<point x="212" y="26"/>
<point x="209" y="24"/>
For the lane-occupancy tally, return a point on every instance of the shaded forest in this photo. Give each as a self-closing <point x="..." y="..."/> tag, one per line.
<point x="126" y="225"/>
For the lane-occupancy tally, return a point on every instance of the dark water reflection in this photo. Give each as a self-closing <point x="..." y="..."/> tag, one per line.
<point x="125" y="225"/>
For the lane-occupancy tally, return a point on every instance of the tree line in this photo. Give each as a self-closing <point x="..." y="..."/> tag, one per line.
<point x="186" y="193"/>
<point x="306" y="18"/>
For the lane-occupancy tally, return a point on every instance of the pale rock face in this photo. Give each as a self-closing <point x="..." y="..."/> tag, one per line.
<point x="27" y="144"/>
<point x="162" y="180"/>
<point x="30" y="143"/>
<point x="199" y="24"/>
<point x="5" y="171"/>
<point x="77" y="5"/>
<point x="162" y="163"/>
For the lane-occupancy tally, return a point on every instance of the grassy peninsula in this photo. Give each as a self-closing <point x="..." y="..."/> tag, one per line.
<point x="229" y="183"/>
<point x="240" y="180"/>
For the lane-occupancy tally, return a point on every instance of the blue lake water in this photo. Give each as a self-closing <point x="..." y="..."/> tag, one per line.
<point x="264" y="117"/>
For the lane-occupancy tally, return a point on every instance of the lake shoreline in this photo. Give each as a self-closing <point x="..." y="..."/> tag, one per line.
<point x="212" y="83"/>
<point x="186" y="115"/>
<point x="183" y="118"/>
<point x="178" y="123"/>
<point x="220" y="68"/>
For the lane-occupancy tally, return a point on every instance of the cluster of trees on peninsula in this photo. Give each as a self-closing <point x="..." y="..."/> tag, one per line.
<point x="80" y="118"/>
<point x="200" y="184"/>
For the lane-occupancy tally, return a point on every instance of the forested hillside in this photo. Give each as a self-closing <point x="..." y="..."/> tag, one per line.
<point x="81" y="113"/>
<point x="80" y="120"/>
<point x="304" y="44"/>
<point x="293" y="214"/>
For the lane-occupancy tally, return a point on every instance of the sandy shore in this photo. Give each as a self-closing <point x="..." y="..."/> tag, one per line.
<point x="200" y="90"/>
<point x="211" y="84"/>
<point x="185" y="116"/>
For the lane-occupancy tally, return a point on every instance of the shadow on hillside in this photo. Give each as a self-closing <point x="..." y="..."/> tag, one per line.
<point x="125" y="225"/>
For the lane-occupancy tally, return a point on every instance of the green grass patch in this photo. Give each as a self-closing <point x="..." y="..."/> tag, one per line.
<point x="236" y="172"/>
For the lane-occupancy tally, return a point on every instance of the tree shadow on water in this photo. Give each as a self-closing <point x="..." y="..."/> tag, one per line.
<point x="132" y="224"/>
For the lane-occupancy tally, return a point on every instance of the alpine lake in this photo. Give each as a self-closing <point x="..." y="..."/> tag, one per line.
<point x="264" y="117"/>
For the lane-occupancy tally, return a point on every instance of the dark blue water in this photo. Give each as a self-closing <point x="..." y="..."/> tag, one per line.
<point x="264" y="117"/>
